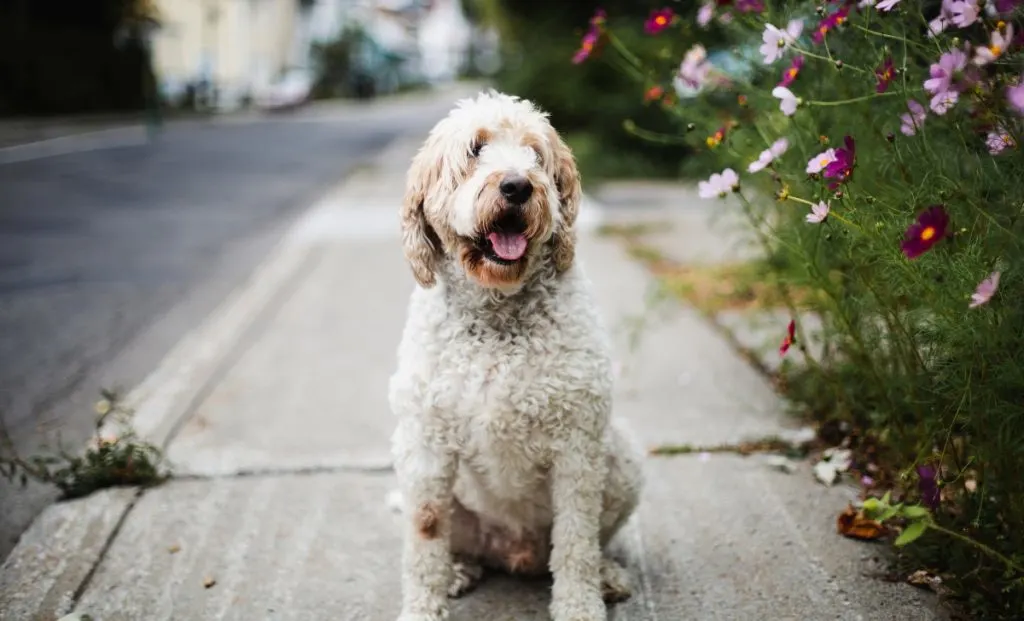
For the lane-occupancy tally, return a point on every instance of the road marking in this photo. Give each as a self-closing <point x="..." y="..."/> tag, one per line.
<point x="76" y="143"/>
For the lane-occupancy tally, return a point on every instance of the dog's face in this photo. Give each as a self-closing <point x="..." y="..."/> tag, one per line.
<point x="495" y="189"/>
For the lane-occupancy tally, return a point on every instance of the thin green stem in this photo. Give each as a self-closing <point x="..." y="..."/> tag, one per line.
<point x="980" y="546"/>
<point x="889" y="36"/>
<point x="829" y="60"/>
<point x="843" y="102"/>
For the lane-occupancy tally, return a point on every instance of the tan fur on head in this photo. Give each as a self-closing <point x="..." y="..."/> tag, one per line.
<point x="453" y="197"/>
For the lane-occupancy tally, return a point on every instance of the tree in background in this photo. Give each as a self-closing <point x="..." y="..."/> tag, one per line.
<point x="588" y="102"/>
<point x="63" y="57"/>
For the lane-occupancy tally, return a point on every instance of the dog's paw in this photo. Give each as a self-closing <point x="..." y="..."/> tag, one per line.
<point x="466" y="575"/>
<point x="615" y="582"/>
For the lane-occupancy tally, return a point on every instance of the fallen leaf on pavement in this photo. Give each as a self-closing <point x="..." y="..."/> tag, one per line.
<point x="209" y="581"/>
<point x="174" y="548"/>
<point x="852" y="523"/>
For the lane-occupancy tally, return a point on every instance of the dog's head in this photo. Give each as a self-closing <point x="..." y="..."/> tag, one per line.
<point x="493" y="189"/>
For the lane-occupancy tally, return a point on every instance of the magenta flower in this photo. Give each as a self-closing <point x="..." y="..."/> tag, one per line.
<point x="819" y="212"/>
<point x="790" y="338"/>
<point x="914" y="120"/>
<point x="929" y="229"/>
<point x="1015" y="96"/>
<point x="659" y="20"/>
<point x="928" y="486"/>
<point x="591" y="38"/>
<point x="750" y="6"/>
<point x="885" y="74"/>
<point x="790" y="74"/>
<point x="944" y="19"/>
<point x="830" y="23"/>
<point x="841" y="168"/>
<point x="986" y="289"/>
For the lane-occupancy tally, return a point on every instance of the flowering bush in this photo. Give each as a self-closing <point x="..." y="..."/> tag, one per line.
<point x="875" y="147"/>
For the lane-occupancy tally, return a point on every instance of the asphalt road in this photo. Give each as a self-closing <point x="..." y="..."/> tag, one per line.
<point x="107" y="257"/>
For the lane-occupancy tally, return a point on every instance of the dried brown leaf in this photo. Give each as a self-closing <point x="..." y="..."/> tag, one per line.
<point x="854" y="524"/>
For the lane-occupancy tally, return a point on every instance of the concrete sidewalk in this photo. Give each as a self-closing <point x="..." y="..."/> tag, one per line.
<point x="275" y="417"/>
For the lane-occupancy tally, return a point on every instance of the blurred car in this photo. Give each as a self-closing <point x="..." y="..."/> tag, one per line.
<point x="290" y="91"/>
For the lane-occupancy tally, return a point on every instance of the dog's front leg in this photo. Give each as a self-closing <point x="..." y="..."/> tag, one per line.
<point x="426" y="472"/>
<point x="578" y="475"/>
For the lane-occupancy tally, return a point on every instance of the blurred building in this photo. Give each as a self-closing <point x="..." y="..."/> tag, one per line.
<point x="226" y="52"/>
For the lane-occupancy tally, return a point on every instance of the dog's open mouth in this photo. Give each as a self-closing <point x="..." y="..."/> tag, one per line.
<point x="505" y="242"/>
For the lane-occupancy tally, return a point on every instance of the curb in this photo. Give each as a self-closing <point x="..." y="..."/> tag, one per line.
<point x="50" y="566"/>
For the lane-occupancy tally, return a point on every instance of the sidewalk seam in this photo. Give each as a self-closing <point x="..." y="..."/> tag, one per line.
<point x="111" y="537"/>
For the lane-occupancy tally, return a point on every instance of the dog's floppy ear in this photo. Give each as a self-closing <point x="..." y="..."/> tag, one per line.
<point x="419" y="241"/>
<point x="567" y="181"/>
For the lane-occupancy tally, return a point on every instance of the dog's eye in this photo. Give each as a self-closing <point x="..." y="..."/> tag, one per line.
<point x="474" y="149"/>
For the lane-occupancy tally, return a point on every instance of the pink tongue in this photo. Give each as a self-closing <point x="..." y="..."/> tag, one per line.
<point x="508" y="246"/>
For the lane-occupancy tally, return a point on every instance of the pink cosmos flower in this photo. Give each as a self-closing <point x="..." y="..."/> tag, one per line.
<point x="769" y="155"/>
<point x="695" y="67"/>
<point x="790" y="74"/>
<point x="776" y="40"/>
<point x="1015" y="96"/>
<point x="787" y="100"/>
<point x="705" y="14"/>
<point x="944" y="72"/>
<point x="913" y="120"/>
<point x="885" y="74"/>
<point x="819" y="212"/>
<point x="818" y="163"/>
<point x="999" y="42"/>
<point x="999" y="140"/>
<point x="944" y="102"/>
<point x="964" y="12"/>
<point x="986" y="289"/>
<point x="943" y="20"/>
<point x="659" y="20"/>
<point x="719" y="184"/>
<point x="887" y="5"/>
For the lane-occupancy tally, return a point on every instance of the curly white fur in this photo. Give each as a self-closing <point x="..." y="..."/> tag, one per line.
<point x="504" y="449"/>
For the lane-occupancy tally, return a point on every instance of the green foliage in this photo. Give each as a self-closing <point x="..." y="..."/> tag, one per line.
<point x="587" y="102"/>
<point x="116" y="456"/>
<point x="937" y="384"/>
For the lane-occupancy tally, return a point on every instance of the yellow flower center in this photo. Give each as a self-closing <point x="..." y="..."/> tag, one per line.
<point x="587" y="46"/>
<point x="928" y="233"/>
<point x="995" y="49"/>
<point x="661" y="20"/>
<point x="792" y="72"/>
<point x="824" y="161"/>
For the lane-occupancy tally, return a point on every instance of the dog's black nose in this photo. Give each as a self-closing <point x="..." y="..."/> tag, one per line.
<point x="516" y="189"/>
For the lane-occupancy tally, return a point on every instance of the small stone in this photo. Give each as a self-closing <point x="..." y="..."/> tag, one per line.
<point x="174" y="548"/>
<point x="825" y="472"/>
<point x="780" y="463"/>
<point x="209" y="581"/>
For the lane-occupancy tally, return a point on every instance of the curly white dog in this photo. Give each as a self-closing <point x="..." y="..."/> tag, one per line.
<point x="504" y="449"/>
